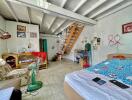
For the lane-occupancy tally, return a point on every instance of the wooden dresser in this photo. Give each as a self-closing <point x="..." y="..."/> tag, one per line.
<point x="16" y="60"/>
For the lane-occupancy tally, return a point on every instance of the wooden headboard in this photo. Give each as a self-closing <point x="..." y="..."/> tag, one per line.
<point x="119" y="55"/>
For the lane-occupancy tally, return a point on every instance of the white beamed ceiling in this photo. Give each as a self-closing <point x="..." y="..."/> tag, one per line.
<point x="53" y="21"/>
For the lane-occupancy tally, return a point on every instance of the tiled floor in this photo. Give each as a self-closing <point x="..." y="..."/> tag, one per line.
<point x="53" y="79"/>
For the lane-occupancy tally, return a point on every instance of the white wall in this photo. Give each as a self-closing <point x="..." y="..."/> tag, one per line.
<point x="51" y="41"/>
<point x="85" y="35"/>
<point x="2" y="42"/>
<point x="113" y="25"/>
<point x="15" y="43"/>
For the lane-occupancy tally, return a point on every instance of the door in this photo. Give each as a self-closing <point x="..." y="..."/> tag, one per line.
<point x="43" y="45"/>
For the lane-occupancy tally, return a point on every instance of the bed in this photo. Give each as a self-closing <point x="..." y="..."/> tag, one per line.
<point x="79" y="85"/>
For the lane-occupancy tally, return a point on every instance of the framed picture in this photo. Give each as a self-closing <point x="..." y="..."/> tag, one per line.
<point x="21" y="31"/>
<point x="33" y="35"/>
<point x="127" y="28"/>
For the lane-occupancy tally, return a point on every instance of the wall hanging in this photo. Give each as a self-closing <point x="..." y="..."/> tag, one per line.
<point x="4" y="35"/>
<point x="58" y="41"/>
<point x="95" y="42"/>
<point x="114" y="40"/>
<point x="127" y="28"/>
<point x="21" y="31"/>
<point x="53" y="47"/>
<point x="33" y="35"/>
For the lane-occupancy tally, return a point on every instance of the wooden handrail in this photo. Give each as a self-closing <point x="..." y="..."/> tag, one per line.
<point x="74" y="33"/>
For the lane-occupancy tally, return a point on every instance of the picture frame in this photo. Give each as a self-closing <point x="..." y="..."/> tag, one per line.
<point x="21" y="31"/>
<point x="33" y="35"/>
<point x="127" y="28"/>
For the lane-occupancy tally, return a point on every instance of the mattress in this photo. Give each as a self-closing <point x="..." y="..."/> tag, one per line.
<point x="81" y="81"/>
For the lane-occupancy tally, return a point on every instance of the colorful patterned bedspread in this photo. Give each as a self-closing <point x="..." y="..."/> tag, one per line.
<point x="115" y="69"/>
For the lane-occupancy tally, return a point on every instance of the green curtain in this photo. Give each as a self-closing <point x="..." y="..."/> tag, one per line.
<point x="45" y="45"/>
<point x="88" y="47"/>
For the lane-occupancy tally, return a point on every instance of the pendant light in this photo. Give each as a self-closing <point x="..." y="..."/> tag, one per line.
<point x="4" y="35"/>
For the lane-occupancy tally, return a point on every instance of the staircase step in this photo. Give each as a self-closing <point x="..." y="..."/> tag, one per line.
<point x="74" y="31"/>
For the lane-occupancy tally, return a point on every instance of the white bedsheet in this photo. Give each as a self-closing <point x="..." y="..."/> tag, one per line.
<point x="81" y="82"/>
<point x="5" y="94"/>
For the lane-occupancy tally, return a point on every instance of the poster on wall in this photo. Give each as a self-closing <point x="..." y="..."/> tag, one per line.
<point x="127" y="28"/>
<point x="21" y="31"/>
<point x="33" y="35"/>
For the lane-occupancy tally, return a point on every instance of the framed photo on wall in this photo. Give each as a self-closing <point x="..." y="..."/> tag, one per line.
<point x="33" y="35"/>
<point x="21" y="31"/>
<point x="127" y="28"/>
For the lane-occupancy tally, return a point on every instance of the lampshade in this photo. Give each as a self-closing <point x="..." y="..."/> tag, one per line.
<point x="4" y="35"/>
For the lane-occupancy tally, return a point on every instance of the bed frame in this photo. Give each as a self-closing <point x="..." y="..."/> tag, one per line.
<point x="119" y="55"/>
<point x="73" y="95"/>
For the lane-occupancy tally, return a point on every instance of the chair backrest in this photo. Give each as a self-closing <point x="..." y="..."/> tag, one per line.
<point x="7" y="68"/>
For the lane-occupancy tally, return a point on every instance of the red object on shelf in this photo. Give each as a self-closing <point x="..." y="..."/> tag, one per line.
<point x="86" y="65"/>
<point x="42" y="55"/>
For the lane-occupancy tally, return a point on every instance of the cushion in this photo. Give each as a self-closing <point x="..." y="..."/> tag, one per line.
<point x="18" y="72"/>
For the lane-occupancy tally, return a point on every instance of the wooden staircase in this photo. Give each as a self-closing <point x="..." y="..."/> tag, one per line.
<point x="74" y="31"/>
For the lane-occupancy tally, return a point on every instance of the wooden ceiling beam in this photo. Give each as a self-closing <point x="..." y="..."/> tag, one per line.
<point x="42" y="22"/>
<point x="51" y="8"/>
<point x="114" y="3"/>
<point x="100" y="2"/>
<point x="62" y="5"/>
<point x="29" y="14"/>
<point x="81" y="3"/>
<point x="11" y="10"/>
